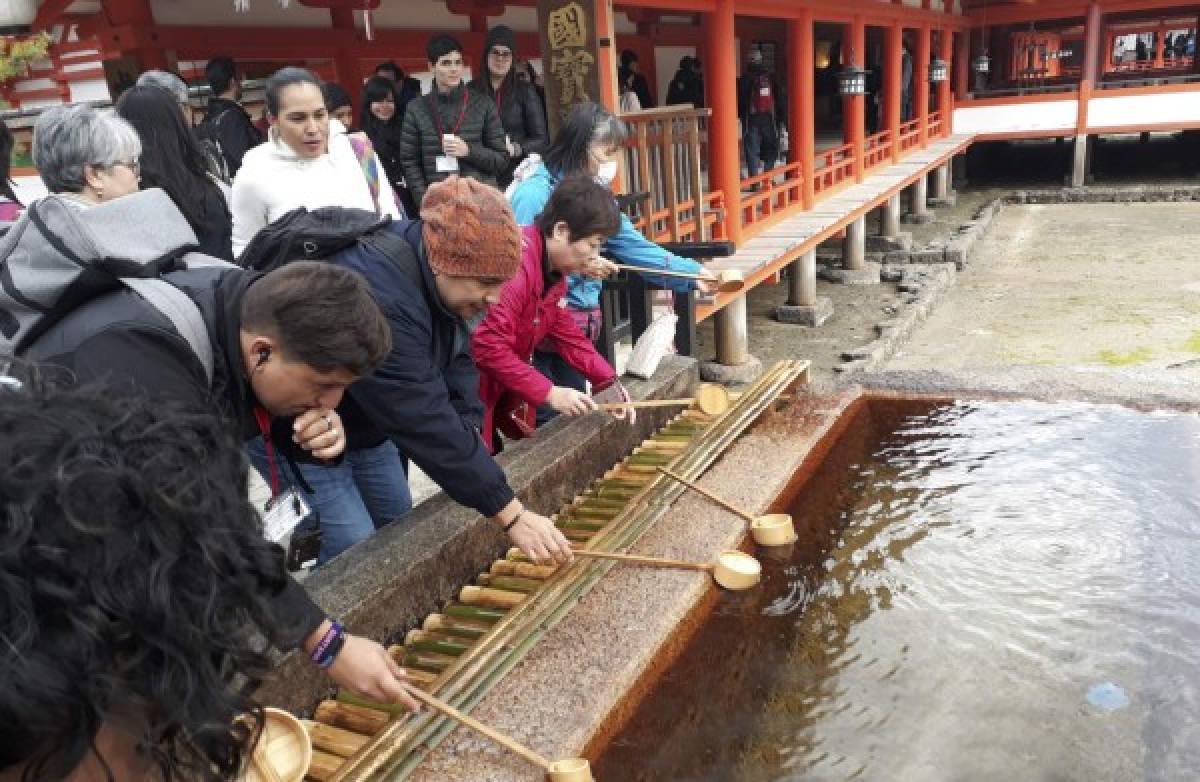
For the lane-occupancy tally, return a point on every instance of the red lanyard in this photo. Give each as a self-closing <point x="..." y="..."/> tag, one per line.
<point x="437" y="115"/>
<point x="499" y="93"/>
<point x="264" y="426"/>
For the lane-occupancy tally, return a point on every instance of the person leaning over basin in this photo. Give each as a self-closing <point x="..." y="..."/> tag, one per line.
<point x="432" y="277"/>
<point x="286" y="343"/>
<point x="589" y="143"/>
<point x="565" y="239"/>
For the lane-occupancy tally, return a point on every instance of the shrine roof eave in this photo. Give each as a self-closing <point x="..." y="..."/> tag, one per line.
<point x="1046" y="10"/>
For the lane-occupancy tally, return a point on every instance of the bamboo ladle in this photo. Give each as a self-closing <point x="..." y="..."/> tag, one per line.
<point x="569" y="770"/>
<point x="733" y="570"/>
<point x="727" y="280"/>
<point x="773" y="529"/>
<point x="710" y="399"/>
<point x="283" y="752"/>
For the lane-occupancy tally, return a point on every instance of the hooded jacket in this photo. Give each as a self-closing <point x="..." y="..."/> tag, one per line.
<point x="521" y="110"/>
<point x="425" y="396"/>
<point x="121" y="338"/>
<point x="462" y="112"/>
<point x="532" y="308"/>
<point x="274" y="180"/>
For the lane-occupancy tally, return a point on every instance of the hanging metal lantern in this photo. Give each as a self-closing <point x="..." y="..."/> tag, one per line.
<point x="938" y="71"/>
<point x="982" y="64"/>
<point x="852" y="81"/>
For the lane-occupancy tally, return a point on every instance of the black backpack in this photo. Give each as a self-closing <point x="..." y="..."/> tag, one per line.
<point x="301" y="235"/>
<point x="209" y="137"/>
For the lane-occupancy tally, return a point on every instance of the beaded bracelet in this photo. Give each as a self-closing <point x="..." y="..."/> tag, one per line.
<point x="332" y="652"/>
<point x="322" y="650"/>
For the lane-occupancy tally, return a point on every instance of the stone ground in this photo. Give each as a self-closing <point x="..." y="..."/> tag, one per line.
<point x="1110" y="278"/>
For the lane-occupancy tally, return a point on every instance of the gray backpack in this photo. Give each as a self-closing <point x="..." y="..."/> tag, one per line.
<point x="58" y="256"/>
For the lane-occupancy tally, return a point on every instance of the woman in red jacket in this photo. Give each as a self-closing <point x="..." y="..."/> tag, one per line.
<point x="564" y="239"/>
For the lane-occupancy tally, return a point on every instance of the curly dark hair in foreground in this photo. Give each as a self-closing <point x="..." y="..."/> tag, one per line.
<point x="133" y="584"/>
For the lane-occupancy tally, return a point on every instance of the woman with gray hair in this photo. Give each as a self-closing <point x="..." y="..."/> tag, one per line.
<point x="87" y="155"/>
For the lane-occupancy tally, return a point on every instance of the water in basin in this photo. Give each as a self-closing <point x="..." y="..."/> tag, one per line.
<point x="982" y="591"/>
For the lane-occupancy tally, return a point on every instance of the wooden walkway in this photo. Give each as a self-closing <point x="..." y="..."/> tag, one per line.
<point x="765" y="255"/>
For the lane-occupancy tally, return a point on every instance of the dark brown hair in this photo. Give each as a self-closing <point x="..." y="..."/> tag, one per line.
<point x="323" y="316"/>
<point x="588" y="209"/>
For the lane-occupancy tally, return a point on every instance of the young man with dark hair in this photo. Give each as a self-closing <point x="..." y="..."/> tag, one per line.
<point x="407" y="87"/>
<point x="285" y="346"/>
<point x="225" y="121"/>
<point x="762" y="108"/>
<point x="451" y="131"/>
<point x="565" y="239"/>
<point x="136" y="584"/>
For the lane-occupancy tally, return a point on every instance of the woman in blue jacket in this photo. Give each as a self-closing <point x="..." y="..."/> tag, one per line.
<point x="590" y="141"/>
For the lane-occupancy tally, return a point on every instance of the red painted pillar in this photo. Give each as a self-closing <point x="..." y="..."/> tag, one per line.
<point x="854" y="107"/>
<point x="944" y="102"/>
<point x="724" y="152"/>
<point x="893" y="66"/>
<point x="345" y="61"/>
<point x="921" y="83"/>
<point x="606" y="56"/>
<point x="962" y="65"/>
<point x="801" y="108"/>
<point x="1159" y="40"/>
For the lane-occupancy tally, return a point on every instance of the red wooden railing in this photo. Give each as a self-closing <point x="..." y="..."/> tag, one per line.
<point x="1168" y="64"/>
<point x="935" y="124"/>
<point x="877" y="150"/>
<point x="834" y="168"/>
<point x="769" y="197"/>
<point x="658" y="226"/>
<point x="910" y="135"/>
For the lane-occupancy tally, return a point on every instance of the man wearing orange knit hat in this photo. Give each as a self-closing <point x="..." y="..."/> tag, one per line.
<point x="432" y="277"/>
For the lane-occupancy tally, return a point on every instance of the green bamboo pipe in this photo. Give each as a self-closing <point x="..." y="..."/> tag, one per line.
<point x="477" y="613"/>
<point x="450" y="626"/>
<point x="502" y="567"/>
<point x="422" y="641"/>
<point x="427" y="661"/>
<point x="509" y="583"/>
<point x="580" y="525"/>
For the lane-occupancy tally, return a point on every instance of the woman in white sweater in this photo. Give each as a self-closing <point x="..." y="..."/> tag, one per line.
<point x="302" y="163"/>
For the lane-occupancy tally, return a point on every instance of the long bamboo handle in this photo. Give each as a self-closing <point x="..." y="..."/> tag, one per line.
<point x="723" y="503"/>
<point x="654" y="561"/>
<point x="476" y="725"/>
<point x="646" y="403"/>
<point x="662" y="272"/>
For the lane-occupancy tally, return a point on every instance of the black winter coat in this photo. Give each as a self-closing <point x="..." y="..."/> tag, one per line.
<point x="120" y="337"/>
<point x="421" y="138"/>
<point x="522" y="115"/>
<point x="229" y="123"/>
<point x="425" y="396"/>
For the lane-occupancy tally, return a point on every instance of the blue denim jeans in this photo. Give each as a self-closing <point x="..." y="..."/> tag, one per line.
<point x="761" y="142"/>
<point x="368" y="490"/>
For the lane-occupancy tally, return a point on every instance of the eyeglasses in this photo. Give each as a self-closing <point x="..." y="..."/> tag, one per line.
<point x="502" y="54"/>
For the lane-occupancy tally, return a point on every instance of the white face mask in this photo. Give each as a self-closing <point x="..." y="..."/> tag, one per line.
<point x="607" y="172"/>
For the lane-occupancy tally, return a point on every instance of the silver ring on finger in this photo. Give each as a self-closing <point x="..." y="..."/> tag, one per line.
<point x="328" y="423"/>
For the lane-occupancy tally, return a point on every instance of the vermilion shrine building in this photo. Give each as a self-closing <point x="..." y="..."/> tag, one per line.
<point x="981" y="70"/>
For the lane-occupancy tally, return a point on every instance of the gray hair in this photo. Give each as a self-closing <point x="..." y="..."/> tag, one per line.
<point x="67" y="138"/>
<point x="165" y="80"/>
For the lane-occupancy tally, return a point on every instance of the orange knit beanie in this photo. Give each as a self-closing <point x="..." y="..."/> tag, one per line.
<point x="469" y="230"/>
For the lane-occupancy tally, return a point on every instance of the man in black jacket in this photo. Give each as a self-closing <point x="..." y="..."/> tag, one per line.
<point x="225" y="121"/>
<point x="762" y="108"/>
<point x="285" y="347"/>
<point x="452" y="130"/>
<point x="521" y="111"/>
<point x="432" y="276"/>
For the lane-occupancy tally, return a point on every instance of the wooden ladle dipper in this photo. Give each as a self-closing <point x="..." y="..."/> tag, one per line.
<point x="569" y="770"/>
<point x="733" y="570"/>
<point x="728" y="280"/>
<point x="773" y="529"/>
<point x="710" y="399"/>
<point x="283" y="752"/>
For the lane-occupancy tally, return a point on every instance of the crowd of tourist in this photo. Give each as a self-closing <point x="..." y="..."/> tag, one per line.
<point x="329" y="302"/>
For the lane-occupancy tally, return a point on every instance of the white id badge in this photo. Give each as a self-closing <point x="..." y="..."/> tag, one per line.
<point x="283" y="514"/>
<point x="764" y="91"/>
<point x="447" y="164"/>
